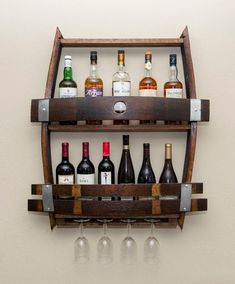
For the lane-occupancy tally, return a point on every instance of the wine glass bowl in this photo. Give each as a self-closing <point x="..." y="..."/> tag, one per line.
<point x="81" y="245"/>
<point x="128" y="251"/>
<point x="151" y="247"/>
<point x="105" y="246"/>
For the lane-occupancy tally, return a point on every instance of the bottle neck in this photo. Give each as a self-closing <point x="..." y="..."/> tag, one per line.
<point x="148" y="68"/>
<point x="65" y="152"/>
<point x="68" y="73"/>
<point x="173" y="73"/>
<point x="93" y="69"/>
<point x="106" y="150"/>
<point x="85" y="151"/>
<point x="168" y="152"/>
<point x="121" y="67"/>
<point x="146" y="153"/>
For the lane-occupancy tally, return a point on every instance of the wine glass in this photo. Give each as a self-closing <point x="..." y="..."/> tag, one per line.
<point x="81" y="246"/>
<point x="105" y="246"/>
<point x="151" y="247"/>
<point x="128" y="246"/>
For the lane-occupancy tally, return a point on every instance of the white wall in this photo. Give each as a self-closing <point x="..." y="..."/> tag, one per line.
<point x="204" y="252"/>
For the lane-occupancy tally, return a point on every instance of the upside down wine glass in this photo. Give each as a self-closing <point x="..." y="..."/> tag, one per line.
<point x="105" y="247"/>
<point x="81" y="247"/>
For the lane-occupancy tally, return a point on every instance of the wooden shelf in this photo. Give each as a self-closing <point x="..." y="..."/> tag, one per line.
<point x="115" y="42"/>
<point x="102" y="108"/>
<point x="166" y="203"/>
<point x="138" y="201"/>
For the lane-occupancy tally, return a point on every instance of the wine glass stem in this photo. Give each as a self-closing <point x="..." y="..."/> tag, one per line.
<point x="81" y="229"/>
<point x="152" y="228"/>
<point x="105" y="228"/>
<point x="128" y="229"/>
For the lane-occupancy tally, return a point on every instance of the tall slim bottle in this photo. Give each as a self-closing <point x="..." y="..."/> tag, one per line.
<point x="68" y="87"/>
<point x="85" y="169"/>
<point x="146" y="174"/>
<point x="168" y="174"/>
<point x="126" y="172"/>
<point x="65" y="172"/>
<point x="148" y="85"/>
<point x="121" y="82"/>
<point x="93" y="84"/>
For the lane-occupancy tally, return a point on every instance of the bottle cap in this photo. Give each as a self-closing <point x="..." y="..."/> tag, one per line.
<point x="85" y="149"/>
<point x="121" y="51"/>
<point x="93" y="55"/>
<point x="68" y="57"/>
<point x="173" y="60"/>
<point x="106" y="148"/>
<point x="65" y="149"/>
<point x="125" y="139"/>
<point x="148" y="56"/>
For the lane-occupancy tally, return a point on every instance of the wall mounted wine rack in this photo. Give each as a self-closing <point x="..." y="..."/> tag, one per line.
<point x="166" y="203"/>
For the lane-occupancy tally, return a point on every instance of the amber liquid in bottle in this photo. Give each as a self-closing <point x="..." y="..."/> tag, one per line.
<point x="93" y="84"/>
<point x="148" y="85"/>
<point x="173" y="88"/>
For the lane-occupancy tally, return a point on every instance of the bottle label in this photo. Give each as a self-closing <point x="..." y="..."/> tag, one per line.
<point x="174" y="93"/>
<point x="86" y="179"/>
<point x="121" y="89"/>
<point x="68" y="92"/>
<point x="67" y="62"/>
<point x="106" y="177"/>
<point x="93" y="92"/>
<point x="66" y="179"/>
<point x="148" y="93"/>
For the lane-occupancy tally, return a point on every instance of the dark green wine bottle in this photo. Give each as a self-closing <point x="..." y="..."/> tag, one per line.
<point x="146" y="174"/>
<point x="68" y="87"/>
<point x="168" y="174"/>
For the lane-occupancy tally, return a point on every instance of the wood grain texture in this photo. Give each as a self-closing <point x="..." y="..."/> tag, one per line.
<point x="117" y="209"/>
<point x="102" y="108"/>
<point x="163" y="189"/>
<point x="124" y="42"/>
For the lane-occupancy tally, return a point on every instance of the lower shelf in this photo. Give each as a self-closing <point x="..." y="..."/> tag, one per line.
<point x="70" y="204"/>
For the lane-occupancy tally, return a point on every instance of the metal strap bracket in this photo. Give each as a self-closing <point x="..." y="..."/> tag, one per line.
<point x="43" y="110"/>
<point x="47" y="198"/>
<point x="185" y="200"/>
<point x="195" y="110"/>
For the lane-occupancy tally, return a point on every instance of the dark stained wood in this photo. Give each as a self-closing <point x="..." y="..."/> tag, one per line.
<point x="191" y="93"/>
<point x="119" y="128"/>
<point x="116" y="209"/>
<point x="96" y="190"/>
<point x="102" y="108"/>
<point x="115" y="42"/>
<point x="45" y="134"/>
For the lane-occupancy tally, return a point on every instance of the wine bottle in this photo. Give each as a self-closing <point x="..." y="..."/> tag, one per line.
<point x="85" y="169"/>
<point x="106" y="167"/>
<point x="68" y="87"/>
<point x="65" y="172"/>
<point x="146" y="174"/>
<point x="168" y="174"/>
<point x="126" y="172"/>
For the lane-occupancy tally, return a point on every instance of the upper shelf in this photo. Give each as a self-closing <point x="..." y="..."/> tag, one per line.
<point x="115" y="42"/>
<point x="109" y="108"/>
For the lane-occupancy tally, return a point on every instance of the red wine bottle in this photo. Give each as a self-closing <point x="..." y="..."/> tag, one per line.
<point x="85" y="169"/>
<point x="168" y="174"/>
<point x="106" y="167"/>
<point x="126" y="172"/>
<point x="65" y="172"/>
<point x="146" y="174"/>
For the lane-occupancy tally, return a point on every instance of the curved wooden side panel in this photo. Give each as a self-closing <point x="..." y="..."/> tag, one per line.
<point x="191" y="94"/>
<point x="45" y="133"/>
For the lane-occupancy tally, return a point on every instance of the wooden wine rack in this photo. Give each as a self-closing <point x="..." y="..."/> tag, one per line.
<point x="166" y="203"/>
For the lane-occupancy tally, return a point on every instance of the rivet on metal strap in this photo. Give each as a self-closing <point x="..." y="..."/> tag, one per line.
<point x="185" y="199"/>
<point x="195" y="110"/>
<point x="47" y="198"/>
<point x="43" y="110"/>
